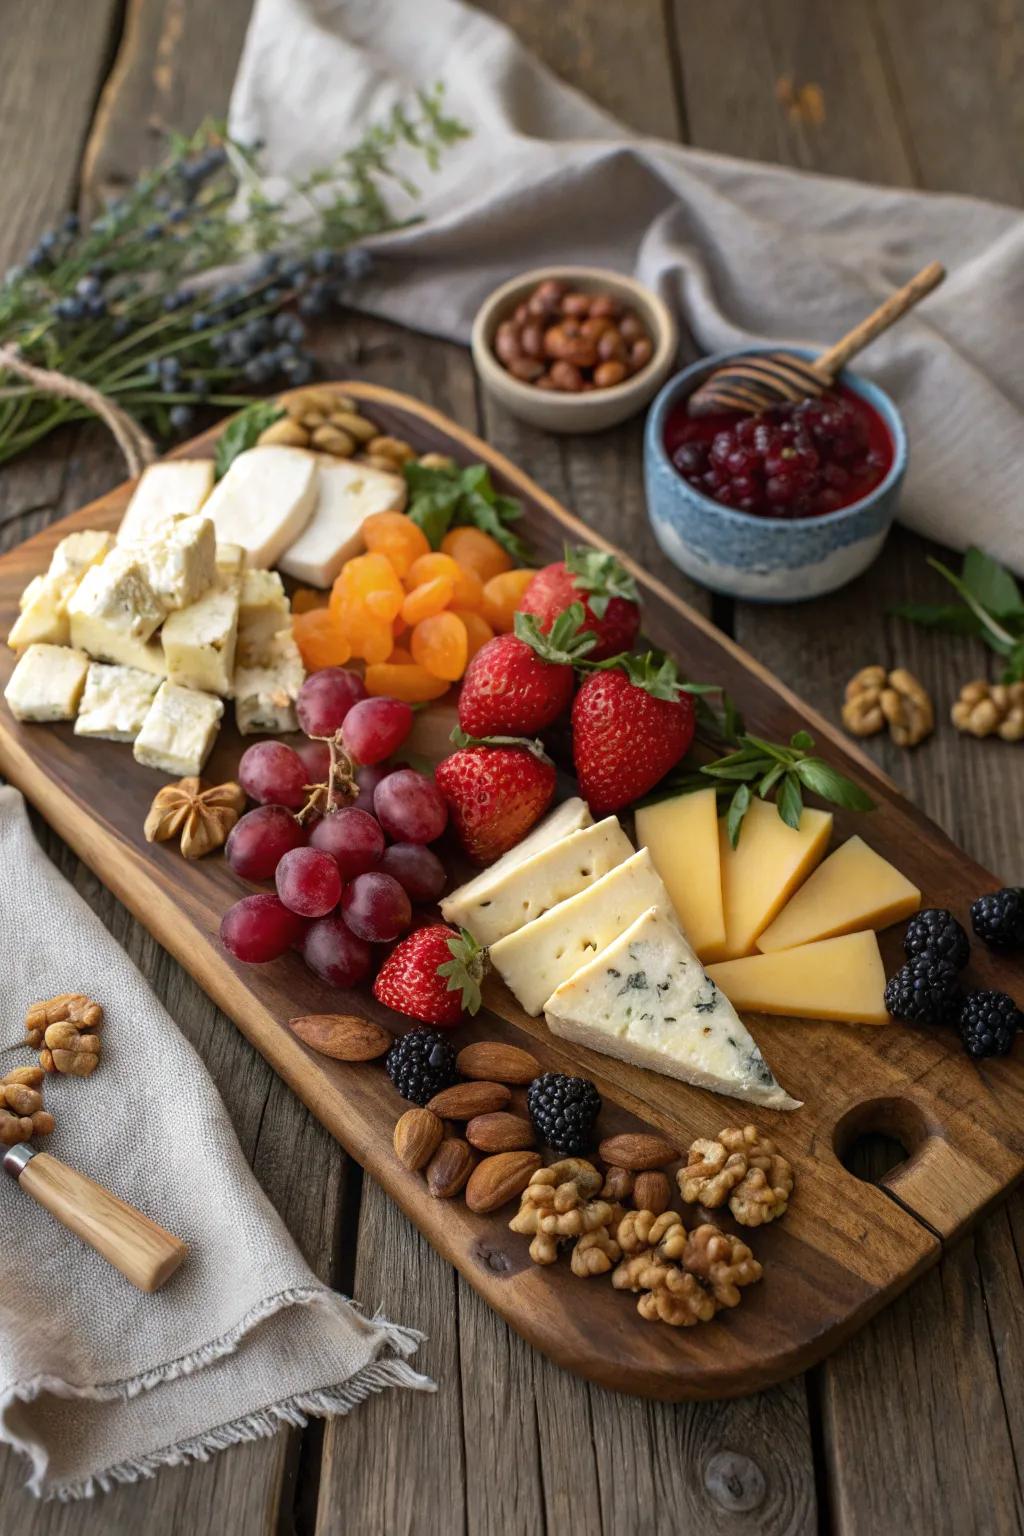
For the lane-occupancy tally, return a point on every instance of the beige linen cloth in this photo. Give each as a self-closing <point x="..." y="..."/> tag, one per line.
<point x="743" y="252"/>
<point x="100" y="1384"/>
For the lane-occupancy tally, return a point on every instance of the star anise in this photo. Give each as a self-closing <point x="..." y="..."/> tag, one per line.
<point x="202" y="815"/>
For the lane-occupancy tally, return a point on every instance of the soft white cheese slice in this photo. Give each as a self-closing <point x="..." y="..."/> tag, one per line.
<point x="115" y="702"/>
<point x="540" y="957"/>
<point x="541" y="882"/>
<point x="565" y="818"/>
<point x="47" y="683"/>
<point x="264" y="501"/>
<point x="347" y="495"/>
<point x="168" y="490"/>
<point x="647" y="999"/>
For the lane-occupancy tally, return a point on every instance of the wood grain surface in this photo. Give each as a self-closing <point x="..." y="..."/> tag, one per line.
<point x="844" y="1248"/>
<point x="918" y="1423"/>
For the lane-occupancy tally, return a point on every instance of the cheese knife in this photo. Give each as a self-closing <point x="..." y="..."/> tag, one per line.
<point x="144" y="1252"/>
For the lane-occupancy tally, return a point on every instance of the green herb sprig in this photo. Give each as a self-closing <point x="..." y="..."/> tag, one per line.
<point x="442" y="497"/>
<point x="992" y="609"/>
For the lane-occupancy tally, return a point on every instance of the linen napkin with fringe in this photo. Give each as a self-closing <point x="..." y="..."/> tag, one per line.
<point x="743" y="252"/>
<point x="100" y="1384"/>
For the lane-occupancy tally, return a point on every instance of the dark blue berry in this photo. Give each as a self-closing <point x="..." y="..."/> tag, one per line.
<point x="182" y="417"/>
<point x="88" y="286"/>
<point x="356" y="265"/>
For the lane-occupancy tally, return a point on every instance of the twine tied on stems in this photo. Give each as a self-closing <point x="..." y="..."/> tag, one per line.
<point x="135" y="444"/>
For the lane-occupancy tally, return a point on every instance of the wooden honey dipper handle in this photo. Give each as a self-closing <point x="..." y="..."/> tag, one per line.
<point x="836" y="357"/>
<point x="143" y="1252"/>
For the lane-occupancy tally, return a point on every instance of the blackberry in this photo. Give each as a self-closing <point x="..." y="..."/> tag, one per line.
<point x="420" y="1064"/>
<point x="998" y="918"/>
<point x="988" y="1023"/>
<point x="563" y="1110"/>
<point x="926" y="990"/>
<point x="936" y="932"/>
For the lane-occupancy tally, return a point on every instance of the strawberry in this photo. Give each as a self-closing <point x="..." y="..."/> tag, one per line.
<point x="495" y="792"/>
<point x="516" y="685"/>
<point x="433" y="975"/>
<point x="595" y="578"/>
<point x="631" y="723"/>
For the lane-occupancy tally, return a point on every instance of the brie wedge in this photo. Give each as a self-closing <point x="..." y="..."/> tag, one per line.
<point x="540" y="957"/>
<point x="179" y="729"/>
<point x="646" y="999"/>
<point x="167" y="491"/>
<point x="47" y="683"/>
<point x="264" y="501"/>
<point x="347" y="494"/>
<point x="565" y="818"/>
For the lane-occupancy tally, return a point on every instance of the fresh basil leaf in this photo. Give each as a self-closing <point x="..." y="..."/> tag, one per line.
<point x="738" y="808"/>
<point x="824" y="780"/>
<point x="770" y="780"/>
<point x="432" y="514"/>
<point x="243" y="431"/>
<point x="951" y="618"/>
<point x="789" y="801"/>
<point x="487" y="518"/>
<point x="992" y="584"/>
<point x="739" y="771"/>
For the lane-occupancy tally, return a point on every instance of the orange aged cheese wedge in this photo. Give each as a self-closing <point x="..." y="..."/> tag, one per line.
<point x="842" y="979"/>
<point x="855" y="888"/>
<point x="682" y="835"/>
<point x="761" y="874"/>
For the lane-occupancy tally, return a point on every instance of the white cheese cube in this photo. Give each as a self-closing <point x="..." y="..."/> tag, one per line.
<point x="544" y="954"/>
<point x="114" y="598"/>
<point x="115" y="702"/>
<point x="179" y="729"/>
<point x="169" y="490"/>
<point x="263" y="611"/>
<point x="43" y="619"/>
<point x="265" y="696"/>
<point x="264" y="501"/>
<point x="47" y="683"/>
<point x="181" y="562"/>
<point x="541" y="882"/>
<point x="647" y="999"/>
<point x="76" y="553"/>
<point x="230" y="558"/>
<point x="199" y="641"/>
<point x="347" y="495"/>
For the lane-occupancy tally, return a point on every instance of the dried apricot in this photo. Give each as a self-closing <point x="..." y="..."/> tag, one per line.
<point x="398" y="538"/>
<point x="478" y="631"/>
<point x="374" y="643"/>
<point x="429" y="568"/>
<point x="319" y="639"/>
<point x="400" y="657"/>
<point x="475" y="549"/>
<point x="441" y="645"/>
<point x="305" y="599"/>
<point x="502" y="596"/>
<point x="469" y="590"/>
<point x="428" y="598"/>
<point x="410" y="683"/>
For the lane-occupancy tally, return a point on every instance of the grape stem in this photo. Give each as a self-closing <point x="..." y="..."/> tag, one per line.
<point x="340" y="787"/>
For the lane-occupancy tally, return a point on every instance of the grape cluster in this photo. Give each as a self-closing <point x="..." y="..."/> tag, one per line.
<point x="346" y="878"/>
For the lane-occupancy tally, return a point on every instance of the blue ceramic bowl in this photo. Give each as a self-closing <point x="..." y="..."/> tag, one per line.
<point x="770" y="560"/>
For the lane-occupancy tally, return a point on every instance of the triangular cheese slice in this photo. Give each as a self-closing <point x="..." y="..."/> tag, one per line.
<point x="565" y="818"/>
<point x="646" y="999"/>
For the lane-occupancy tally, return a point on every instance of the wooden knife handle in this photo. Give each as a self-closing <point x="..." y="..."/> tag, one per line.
<point x="143" y="1252"/>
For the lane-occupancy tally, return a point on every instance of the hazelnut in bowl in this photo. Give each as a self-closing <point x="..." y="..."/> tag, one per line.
<point x="785" y="505"/>
<point x="573" y="349"/>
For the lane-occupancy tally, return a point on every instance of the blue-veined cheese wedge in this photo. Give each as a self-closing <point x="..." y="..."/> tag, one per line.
<point x="646" y="998"/>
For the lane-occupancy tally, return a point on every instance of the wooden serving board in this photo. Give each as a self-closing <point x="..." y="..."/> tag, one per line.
<point x="844" y="1248"/>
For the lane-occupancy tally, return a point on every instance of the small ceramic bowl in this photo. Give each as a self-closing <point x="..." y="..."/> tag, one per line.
<point x="770" y="560"/>
<point x="597" y="408"/>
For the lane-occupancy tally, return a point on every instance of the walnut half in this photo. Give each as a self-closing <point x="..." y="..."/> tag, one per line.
<point x="876" y="698"/>
<point x="742" y="1167"/>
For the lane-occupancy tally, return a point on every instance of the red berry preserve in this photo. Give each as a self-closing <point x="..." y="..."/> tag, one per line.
<point x="795" y="461"/>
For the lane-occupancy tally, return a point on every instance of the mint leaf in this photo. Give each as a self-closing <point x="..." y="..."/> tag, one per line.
<point x="951" y="618"/>
<point x="991" y="584"/>
<point x="996" y="636"/>
<point x="738" y="808"/>
<point x="243" y="431"/>
<point x="819" y="777"/>
<point x="441" y="498"/>
<point x="789" y="801"/>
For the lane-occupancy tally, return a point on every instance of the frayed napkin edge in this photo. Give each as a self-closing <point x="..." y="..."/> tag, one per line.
<point x="376" y="1376"/>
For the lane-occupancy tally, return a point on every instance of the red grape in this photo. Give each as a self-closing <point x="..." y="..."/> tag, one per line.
<point x="368" y="777"/>
<point x="326" y="698"/>
<point x="376" y="907"/>
<point x="273" y="774"/>
<point x="417" y="869"/>
<point x="308" y="882"/>
<point x="353" y="839"/>
<point x="332" y="952"/>
<point x="317" y="757"/>
<point x="375" y="728"/>
<point x="260" y="839"/>
<point x="259" y="928"/>
<point x="410" y="807"/>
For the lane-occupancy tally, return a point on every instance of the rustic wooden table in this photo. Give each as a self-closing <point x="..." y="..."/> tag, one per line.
<point x="918" y="1424"/>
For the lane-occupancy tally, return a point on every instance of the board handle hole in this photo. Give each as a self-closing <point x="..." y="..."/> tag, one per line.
<point x="873" y="1138"/>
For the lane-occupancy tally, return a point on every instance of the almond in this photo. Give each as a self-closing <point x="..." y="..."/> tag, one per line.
<point x="652" y="1192"/>
<point x="636" y="1151"/>
<point x="499" y="1179"/>
<point x="450" y="1167"/>
<point x="466" y="1100"/>
<point x="497" y="1063"/>
<point x="342" y="1035"/>
<point x="418" y="1135"/>
<point x="500" y="1132"/>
